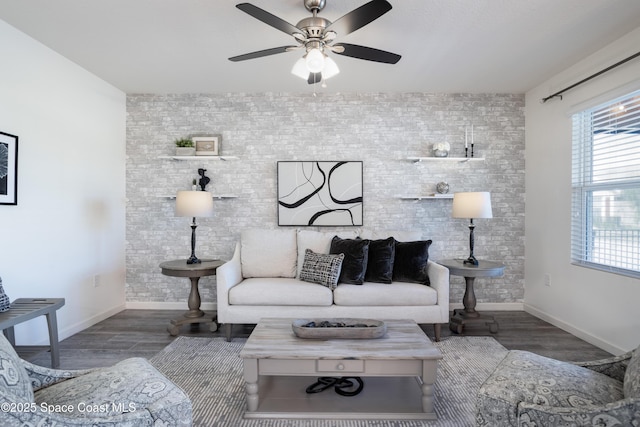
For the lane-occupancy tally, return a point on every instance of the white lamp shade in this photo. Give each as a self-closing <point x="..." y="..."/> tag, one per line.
<point x="330" y="68"/>
<point x="315" y="60"/>
<point x="472" y="205"/>
<point x="194" y="204"/>
<point x="300" y="69"/>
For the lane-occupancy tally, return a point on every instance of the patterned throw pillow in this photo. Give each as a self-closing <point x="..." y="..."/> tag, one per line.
<point x="323" y="269"/>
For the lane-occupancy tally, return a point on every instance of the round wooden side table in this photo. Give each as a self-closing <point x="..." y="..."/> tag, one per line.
<point x="180" y="268"/>
<point x="469" y="314"/>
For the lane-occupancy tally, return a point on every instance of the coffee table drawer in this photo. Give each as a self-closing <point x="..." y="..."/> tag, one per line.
<point x="340" y="365"/>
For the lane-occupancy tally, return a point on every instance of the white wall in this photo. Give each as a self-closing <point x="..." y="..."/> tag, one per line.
<point x="600" y="307"/>
<point x="69" y="224"/>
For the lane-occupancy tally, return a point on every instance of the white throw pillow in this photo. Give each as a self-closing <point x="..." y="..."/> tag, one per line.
<point x="268" y="253"/>
<point x="318" y="241"/>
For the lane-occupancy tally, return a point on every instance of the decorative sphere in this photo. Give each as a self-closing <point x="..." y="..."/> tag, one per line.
<point x="442" y="187"/>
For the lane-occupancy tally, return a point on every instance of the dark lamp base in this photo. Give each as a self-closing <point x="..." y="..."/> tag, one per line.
<point x="193" y="260"/>
<point x="471" y="260"/>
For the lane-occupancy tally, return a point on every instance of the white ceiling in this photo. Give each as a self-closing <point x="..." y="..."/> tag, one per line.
<point x="182" y="46"/>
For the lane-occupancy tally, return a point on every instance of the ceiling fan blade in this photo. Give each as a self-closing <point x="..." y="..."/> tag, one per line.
<point x="268" y="18"/>
<point x="314" y="78"/>
<point x="368" y="53"/>
<point x="359" y="17"/>
<point x="261" y="53"/>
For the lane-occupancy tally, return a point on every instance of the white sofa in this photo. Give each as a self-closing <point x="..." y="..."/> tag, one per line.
<point x="263" y="280"/>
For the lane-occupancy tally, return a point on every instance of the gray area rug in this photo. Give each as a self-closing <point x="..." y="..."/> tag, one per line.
<point x="209" y="370"/>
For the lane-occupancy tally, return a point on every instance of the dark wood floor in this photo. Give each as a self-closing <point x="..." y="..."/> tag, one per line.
<point x="142" y="333"/>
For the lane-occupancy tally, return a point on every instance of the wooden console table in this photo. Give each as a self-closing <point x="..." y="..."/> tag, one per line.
<point x="470" y="272"/>
<point x="24" y="309"/>
<point x="180" y="268"/>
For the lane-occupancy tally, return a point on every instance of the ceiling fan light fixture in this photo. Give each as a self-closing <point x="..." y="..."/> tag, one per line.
<point x="300" y="69"/>
<point x="315" y="60"/>
<point x="330" y="68"/>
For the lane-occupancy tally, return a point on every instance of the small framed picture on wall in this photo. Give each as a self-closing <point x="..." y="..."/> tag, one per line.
<point x="207" y="145"/>
<point x="8" y="169"/>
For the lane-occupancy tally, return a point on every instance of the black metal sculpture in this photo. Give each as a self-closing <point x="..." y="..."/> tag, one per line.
<point x="204" y="180"/>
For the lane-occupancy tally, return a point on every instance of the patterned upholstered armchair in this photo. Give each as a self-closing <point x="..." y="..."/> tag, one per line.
<point x="130" y="393"/>
<point x="531" y="390"/>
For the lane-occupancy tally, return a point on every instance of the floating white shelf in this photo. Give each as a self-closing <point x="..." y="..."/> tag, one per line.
<point x="431" y="196"/>
<point x="445" y="159"/>
<point x="215" y="196"/>
<point x="198" y="157"/>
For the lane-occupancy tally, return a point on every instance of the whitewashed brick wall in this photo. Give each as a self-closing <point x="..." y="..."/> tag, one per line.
<point x="382" y="130"/>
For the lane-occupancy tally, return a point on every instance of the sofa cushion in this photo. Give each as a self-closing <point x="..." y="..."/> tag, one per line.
<point x="323" y="269"/>
<point x="527" y="377"/>
<point x="268" y="253"/>
<point x="410" y="263"/>
<point x="279" y="291"/>
<point x="380" y="294"/>
<point x="318" y="241"/>
<point x="14" y="380"/>
<point x="356" y="255"/>
<point x="380" y="262"/>
<point x="631" y="386"/>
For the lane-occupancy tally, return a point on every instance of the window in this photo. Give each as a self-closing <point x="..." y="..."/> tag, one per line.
<point x="605" y="225"/>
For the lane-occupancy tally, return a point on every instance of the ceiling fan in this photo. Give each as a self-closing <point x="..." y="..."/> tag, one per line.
<point x="316" y="35"/>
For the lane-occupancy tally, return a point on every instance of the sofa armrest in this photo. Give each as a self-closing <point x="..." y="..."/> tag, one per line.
<point x="228" y="275"/>
<point x="622" y="412"/>
<point x="439" y="280"/>
<point x="614" y="367"/>
<point x="42" y="377"/>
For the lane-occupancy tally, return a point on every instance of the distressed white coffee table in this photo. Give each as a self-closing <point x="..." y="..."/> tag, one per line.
<point x="400" y="370"/>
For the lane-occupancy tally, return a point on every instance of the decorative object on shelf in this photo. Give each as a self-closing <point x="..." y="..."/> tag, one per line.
<point x="320" y="193"/>
<point x="5" y="303"/>
<point x="466" y="142"/>
<point x="207" y="145"/>
<point x="8" y="169"/>
<point x="472" y="205"/>
<point x="441" y="149"/>
<point x="194" y="204"/>
<point x="204" y="180"/>
<point x="442" y="187"/>
<point x="185" y="147"/>
<point x="194" y="185"/>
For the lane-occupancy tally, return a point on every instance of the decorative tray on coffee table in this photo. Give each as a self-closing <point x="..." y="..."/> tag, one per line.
<point x="344" y="328"/>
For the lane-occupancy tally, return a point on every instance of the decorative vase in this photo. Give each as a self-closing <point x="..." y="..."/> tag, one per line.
<point x="440" y="153"/>
<point x="185" y="151"/>
<point x="442" y="187"/>
<point x="5" y="303"/>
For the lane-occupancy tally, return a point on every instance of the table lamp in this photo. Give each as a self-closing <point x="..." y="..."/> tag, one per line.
<point x="194" y="204"/>
<point x="472" y="205"/>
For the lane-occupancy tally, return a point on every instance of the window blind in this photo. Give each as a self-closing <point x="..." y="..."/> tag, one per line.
<point x="605" y="226"/>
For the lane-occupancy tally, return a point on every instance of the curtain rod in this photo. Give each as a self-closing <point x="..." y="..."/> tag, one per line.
<point x="559" y="93"/>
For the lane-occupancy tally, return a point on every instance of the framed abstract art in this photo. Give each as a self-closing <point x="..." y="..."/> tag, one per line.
<point x="320" y="193"/>
<point x="8" y="169"/>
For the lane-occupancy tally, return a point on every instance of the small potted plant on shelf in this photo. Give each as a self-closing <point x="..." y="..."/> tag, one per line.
<point x="185" y="147"/>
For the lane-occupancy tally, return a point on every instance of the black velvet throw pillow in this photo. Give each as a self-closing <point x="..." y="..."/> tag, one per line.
<point x="356" y="253"/>
<point x="410" y="264"/>
<point x="380" y="263"/>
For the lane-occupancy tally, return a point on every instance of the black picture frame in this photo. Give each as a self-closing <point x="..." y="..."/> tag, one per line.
<point x="8" y="169"/>
<point x="320" y="193"/>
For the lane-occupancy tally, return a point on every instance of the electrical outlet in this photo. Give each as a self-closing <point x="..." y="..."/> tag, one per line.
<point x="96" y="280"/>
<point x="547" y="280"/>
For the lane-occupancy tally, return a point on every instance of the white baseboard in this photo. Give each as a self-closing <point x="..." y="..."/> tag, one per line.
<point x="81" y="326"/>
<point x="144" y="305"/>
<point x="580" y="333"/>
<point x="493" y="306"/>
